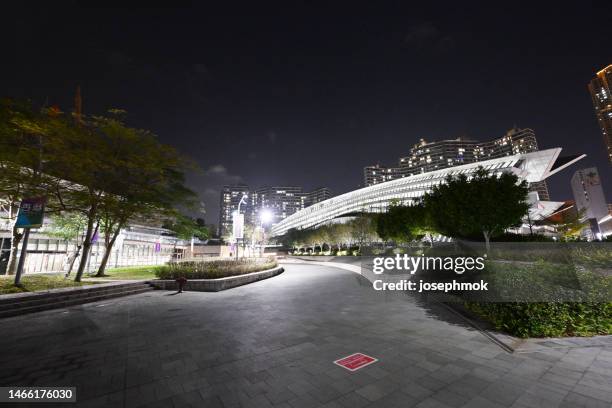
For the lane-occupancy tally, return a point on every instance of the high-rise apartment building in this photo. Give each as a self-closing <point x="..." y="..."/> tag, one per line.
<point x="316" y="196"/>
<point x="230" y="197"/>
<point x="430" y="156"/>
<point x="378" y="174"/>
<point x="589" y="196"/>
<point x="601" y="93"/>
<point x="282" y="201"/>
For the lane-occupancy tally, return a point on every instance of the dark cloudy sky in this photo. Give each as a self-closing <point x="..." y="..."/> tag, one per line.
<point x="307" y="93"/>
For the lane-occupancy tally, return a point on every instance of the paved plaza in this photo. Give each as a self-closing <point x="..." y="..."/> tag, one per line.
<point x="273" y="343"/>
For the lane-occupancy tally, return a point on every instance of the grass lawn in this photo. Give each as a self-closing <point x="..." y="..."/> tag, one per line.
<point x="32" y="283"/>
<point x="130" y="272"/>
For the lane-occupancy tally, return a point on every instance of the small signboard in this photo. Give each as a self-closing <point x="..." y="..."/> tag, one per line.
<point x="31" y="212"/>
<point x="237" y="225"/>
<point x="355" y="361"/>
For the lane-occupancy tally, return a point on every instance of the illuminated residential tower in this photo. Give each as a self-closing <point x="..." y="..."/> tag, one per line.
<point x="600" y="88"/>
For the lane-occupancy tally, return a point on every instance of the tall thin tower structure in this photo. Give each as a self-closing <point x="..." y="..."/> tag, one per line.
<point x="601" y="94"/>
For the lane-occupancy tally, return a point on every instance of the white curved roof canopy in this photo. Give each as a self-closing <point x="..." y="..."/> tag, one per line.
<point x="532" y="167"/>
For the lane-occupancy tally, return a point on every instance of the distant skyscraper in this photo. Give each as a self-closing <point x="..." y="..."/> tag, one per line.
<point x="378" y="174"/>
<point x="316" y="196"/>
<point x="230" y="197"/>
<point x="430" y="156"/>
<point x="601" y="93"/>
<point x="589" y="196"/>
<point x="281" y="200"/>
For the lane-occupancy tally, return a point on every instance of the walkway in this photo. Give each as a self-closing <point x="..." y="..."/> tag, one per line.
<point x="272" y="344"/>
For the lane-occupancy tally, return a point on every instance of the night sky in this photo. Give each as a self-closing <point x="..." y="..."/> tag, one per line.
<point x="307" y="93"/>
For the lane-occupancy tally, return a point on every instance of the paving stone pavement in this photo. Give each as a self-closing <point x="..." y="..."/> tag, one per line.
<point x="273" y="343"/>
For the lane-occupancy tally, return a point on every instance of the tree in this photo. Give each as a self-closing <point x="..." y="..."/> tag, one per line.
<point x="149" y="183"/>
<point x="185" y="227"/>
<point x="363" y="230"/>
<point x="404" y="223"/>
<point x="111" y="173"/>
<point x="21" y="160"/>
<point x="69" y="227"/>
<point x="486" y="204"/>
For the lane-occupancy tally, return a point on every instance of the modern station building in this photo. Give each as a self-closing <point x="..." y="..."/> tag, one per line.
<point x="427" y="156"/>
<point x="533" y="167"/>
<point x="135" y="245"/>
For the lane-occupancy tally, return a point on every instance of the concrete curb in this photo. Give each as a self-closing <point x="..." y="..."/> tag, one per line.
<point x="348" y="267"/>
<point x="216" y="285"/>
<point x="23" y="296"/>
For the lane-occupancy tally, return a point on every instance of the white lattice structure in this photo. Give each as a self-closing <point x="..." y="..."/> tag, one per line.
<point x="532" y="167"/>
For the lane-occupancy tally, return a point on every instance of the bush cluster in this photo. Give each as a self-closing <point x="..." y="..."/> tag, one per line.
<point x="587" y="254"/>
<point x="547" y="319"/>
<point x="546" y="300"/>
<point x="214" y="269"/>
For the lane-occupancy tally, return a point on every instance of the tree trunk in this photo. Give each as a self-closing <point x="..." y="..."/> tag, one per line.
<point x="487" y="243"/>
<point x="11" y="267"/>
<point x="76" y="255"/>
<point x="86" y="244"/>
<point x="107" y="252"/>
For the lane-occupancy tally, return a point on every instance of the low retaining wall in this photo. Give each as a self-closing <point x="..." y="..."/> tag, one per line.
<point x="216" y="285"/>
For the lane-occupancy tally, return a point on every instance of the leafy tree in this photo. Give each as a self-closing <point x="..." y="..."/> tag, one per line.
<point x="69" y="227"/>
<point x="485" y="204"/>
<point x="22" y="155"/>
<point x="94" y="166"/>
<point x="149" y="182"/>
<point x="112" y="173"/>
<point x="404" y="223"/>
<point x="185" y="227"/>
<point x="363" y="230"/>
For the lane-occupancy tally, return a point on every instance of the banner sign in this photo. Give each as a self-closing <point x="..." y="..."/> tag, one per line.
<point x="31" y="212"/>
<point x="238" y="225"/>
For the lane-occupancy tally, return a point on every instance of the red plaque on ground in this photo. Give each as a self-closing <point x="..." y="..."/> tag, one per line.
<point x="355" y="361"/>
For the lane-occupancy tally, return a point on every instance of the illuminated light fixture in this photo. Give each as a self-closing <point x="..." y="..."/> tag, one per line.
<point x="266" y="216"/>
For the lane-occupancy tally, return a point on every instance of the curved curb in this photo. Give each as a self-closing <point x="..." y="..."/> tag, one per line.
<point x="348" y="267"/>
<point x="216" y="285"/>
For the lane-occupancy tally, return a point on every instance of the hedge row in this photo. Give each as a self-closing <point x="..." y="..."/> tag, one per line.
<point x="546" y="300"/>
<point x="214" y="269"/>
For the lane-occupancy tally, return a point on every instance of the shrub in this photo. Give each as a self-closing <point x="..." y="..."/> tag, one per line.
<point x="544" y="300"/>
<point x="547" y="319"/>
<point x="214" y="269"/>
<point x="597" y="255"/>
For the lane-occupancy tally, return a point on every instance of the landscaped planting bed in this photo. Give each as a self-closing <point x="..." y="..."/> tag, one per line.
<point x="214" y="269"/>
<point x="546" y="300"/>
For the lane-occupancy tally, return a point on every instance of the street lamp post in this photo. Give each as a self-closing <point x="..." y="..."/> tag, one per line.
<point x="238" y="229"/>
